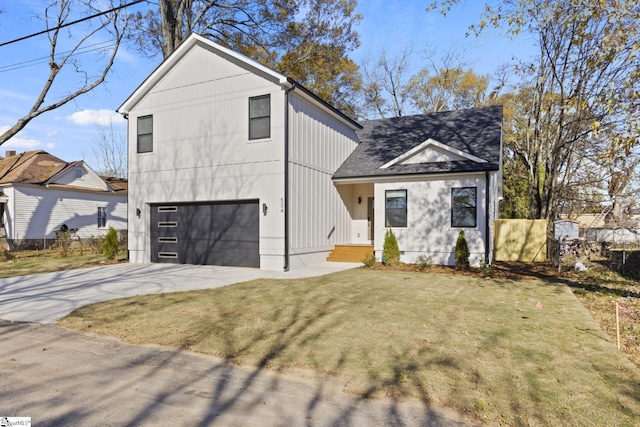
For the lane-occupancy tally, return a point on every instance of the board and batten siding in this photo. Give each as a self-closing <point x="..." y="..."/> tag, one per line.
<point x="36" y="212"/>
<point x="201" y="148"/>
<point x="429" y="230"/>
<point x="318" y="144"/>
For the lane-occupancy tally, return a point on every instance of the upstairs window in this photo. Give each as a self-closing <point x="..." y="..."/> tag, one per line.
<point x="260" y="117"/>
<point x="102" y="217"/>
<point x="395" y="206"/>
<point x="145" y="134"/>
<point x="463" y="207"/>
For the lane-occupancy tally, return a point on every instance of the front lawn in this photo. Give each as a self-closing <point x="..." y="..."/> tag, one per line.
<point x="20" y="263"/>
<point x="503" y="351"/>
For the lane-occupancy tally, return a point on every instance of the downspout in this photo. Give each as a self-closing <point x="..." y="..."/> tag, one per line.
<point x="286" y="175"/>
<point x="486" y="221"/>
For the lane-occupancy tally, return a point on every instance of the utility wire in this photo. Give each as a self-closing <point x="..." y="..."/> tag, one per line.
<point x="72" y="23"/>
<point x="45" y="59"/>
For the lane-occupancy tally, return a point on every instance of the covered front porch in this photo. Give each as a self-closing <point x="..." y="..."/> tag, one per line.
<point x="359" y="201"/>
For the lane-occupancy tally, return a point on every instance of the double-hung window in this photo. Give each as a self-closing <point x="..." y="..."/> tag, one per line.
<point x="260" y="117"/>
<point x="463" y="207"/>
<point x="145" y="134"/>
<point x="395" y="207"/>
<point x="102" y="217"/>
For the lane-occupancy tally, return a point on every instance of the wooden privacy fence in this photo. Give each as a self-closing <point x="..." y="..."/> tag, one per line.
<point x="521" y="240"/>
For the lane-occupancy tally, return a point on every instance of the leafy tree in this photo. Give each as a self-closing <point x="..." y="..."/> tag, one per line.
<point x="462" y="252"/>
<point x="444" y="84"/>
<point x="65" y="60"/>
<point x="577" y="98"/>
<point x="308" y="40"/>
<point x="390" y="249"/>
<point x="110" y="246"/>
<point x="447" y="89"/>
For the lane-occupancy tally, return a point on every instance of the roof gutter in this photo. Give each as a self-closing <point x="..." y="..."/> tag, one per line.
<point x="286" y="174"/>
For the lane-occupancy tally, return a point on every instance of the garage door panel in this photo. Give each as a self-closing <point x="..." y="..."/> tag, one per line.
<point x="209" y="233"/>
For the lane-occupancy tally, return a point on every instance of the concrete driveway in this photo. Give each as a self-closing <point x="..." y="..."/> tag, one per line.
<point x="46" y="298"/>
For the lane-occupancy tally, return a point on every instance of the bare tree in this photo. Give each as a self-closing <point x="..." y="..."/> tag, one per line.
<point x="385" y="79"/>
<point x="63" y="59"/>
<point x="109" y="150"/>
<point x="577" y="95"/>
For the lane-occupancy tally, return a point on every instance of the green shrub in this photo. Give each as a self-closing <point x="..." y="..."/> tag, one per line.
<point x="369" y="260"/>
<point x="390" y="250"/>
<point x="462" y="252"/>
<point x="110" y="246"/>
<point x="424" y="262"/>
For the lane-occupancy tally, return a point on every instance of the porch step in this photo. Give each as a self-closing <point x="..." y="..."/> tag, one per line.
<point x="349" y="253"/>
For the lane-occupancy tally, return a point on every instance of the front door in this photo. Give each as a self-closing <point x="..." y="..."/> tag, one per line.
<point x="370" y="221"/>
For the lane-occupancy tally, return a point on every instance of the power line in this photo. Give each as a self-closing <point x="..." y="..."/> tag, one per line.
<point x="72" y="23"/>
<point x="45" y="59"/>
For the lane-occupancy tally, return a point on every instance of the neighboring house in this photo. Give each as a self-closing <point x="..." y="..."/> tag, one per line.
<point x="42" y="194"/>
<point x="232" y="163"/>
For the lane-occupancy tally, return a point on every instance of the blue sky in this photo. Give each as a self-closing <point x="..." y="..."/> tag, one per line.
<point x="70" y="131"/>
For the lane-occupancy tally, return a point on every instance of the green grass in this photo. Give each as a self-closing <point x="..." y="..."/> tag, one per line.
<point x="13" y="264"/>
<point x="503" y="352"/>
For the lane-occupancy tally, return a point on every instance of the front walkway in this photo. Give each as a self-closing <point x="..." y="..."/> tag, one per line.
<point x="47" y="297"/>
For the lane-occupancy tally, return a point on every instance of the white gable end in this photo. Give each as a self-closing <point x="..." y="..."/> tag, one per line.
<point x="432" y="154"/>
<point x="431" y="151"/>
<point x="80" y="176"/>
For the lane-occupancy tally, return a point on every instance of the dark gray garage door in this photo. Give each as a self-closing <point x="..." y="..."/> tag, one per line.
<point x="221" y="233"/>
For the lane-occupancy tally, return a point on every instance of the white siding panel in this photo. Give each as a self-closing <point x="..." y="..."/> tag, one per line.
<point x="201" y="148"/>
<point x="87" y="180"/>
<point x="429" y="230"/>
<point x="318" y="145"/>
<point x="40" y="211"/>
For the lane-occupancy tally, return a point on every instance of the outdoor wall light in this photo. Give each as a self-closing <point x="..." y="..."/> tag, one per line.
<point x="264" y="209"/>
<point x="138" y="213"/>
<point x="359" y="199"/>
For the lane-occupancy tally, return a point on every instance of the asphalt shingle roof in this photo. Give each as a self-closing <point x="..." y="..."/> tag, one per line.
<point x="476" y="131"/>
<point x="38" y="167"/>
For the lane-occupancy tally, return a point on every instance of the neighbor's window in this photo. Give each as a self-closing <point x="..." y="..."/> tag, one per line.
<point x="102" y="217"/>
<point x="260" y="117"/>
<point x="395" y="207"/>
<point x="463" y="207"/>
<point x="145" y="134"/>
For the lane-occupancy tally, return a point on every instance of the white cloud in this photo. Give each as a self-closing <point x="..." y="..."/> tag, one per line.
<point x="23" y="144"/>
<point x="96" y="117"/>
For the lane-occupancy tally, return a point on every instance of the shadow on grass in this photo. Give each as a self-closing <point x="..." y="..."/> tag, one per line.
<point x="139" y="385"/>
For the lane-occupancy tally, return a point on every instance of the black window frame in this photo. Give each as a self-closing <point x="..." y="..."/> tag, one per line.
<point x="259" y="118"/>
<point x="102" y="217"/>
<point x="465" y="212"/>
<point x="140" y="148"/>
<point x="396" y="216"/>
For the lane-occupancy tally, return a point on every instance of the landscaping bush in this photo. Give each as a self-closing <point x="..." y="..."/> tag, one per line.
<point x="424" y="262"/>
<point x="369" y="260"/>
<point x="110" y="247"/>
<point x="63" y="242"/>
<point x="95" y="244"/>
<point x="390" y="250"/>
<point x="462" y="252"/>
